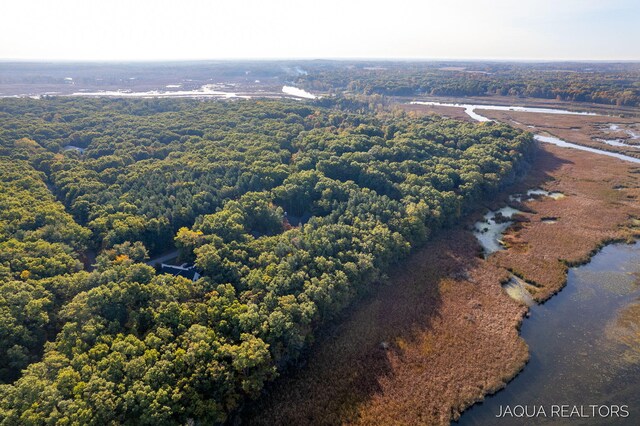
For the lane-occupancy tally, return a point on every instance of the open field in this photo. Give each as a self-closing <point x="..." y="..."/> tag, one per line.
<point x="444" y="333"/>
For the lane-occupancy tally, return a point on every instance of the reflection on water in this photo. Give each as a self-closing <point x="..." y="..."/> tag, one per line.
<point x="617" y="142"/>
<point x="533" y="193"/>
<point x="489" y="230"/>
<point x="469" y="109"/>
<point x="538" y="192"/>
<point x="206" y="91"/>
<point x="613" y="127"/>
<point x="564" y="144"/>
<point x="584" y="345"/>
<point x="625" y="329"/>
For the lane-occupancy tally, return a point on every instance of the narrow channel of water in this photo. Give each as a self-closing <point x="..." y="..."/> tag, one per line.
<point x="469" y="109"/>
<point x="585" y="349"/>
<point x="206" y="91"/>
<point x="507" y="108"/>
<point x="617" y="142"/>
<point x="559" y="142"/>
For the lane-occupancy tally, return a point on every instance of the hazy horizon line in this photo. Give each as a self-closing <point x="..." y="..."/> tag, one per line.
<point x="311" y="59"/>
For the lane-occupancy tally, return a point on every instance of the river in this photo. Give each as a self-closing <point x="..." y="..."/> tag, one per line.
<point x="584" y="342"/>
<point x="205" y="91"/>
<point x="506" y="108"/>
<point x="585" y="349"/>
<point x="469" y="109"/>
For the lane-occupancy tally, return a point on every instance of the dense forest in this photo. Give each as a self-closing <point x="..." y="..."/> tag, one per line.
<point x="602" y="83"/>
<point x="608" y="83"/>
<point x="290" y="210"/>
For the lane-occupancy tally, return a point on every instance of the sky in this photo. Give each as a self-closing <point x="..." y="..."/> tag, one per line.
<point x="282" y="29"/>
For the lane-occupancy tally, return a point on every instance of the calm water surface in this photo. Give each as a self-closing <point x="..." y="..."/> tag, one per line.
<point x="584" y="344"/>
<point x="469" y="109"/>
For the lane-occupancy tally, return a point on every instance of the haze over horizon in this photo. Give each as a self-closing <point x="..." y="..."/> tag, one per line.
<point x="75" y="30"/>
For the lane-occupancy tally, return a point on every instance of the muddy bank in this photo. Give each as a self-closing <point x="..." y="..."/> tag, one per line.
<point x="444" y="332"/>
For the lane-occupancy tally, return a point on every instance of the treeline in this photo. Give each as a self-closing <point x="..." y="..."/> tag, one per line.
<point x="304" y="209"/>
<point x="611" y="84"/>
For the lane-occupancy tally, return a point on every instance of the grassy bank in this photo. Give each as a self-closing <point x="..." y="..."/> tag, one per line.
<point x="444" y="333"/>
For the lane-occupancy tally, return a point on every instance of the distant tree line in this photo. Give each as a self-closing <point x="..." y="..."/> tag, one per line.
<point x="611" y="84"/>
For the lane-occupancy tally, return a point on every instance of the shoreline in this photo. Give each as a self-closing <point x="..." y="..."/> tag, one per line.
<point x="417" y="384"/>
<point x="575" y="127"/>
<point x="631" y="238"/>
<point x="605" y="109"/>
<point x="533" y="386"/>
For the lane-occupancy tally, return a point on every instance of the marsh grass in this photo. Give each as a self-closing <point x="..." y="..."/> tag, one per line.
<point x="451" y="330"/>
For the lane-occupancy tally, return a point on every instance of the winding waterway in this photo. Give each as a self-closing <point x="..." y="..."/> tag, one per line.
<point x="205" y="91"/>
<point x="584" y="343"/>
<point x="559" y="142"/>
<point x="469" y="109"/>
<point x="585" y="349"/>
